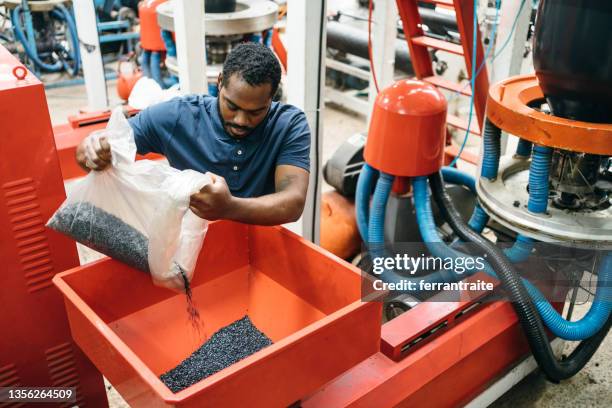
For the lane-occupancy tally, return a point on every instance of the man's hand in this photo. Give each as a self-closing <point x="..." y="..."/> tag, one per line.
<point x="214" y="201"/>
<point x="94" y="153"/>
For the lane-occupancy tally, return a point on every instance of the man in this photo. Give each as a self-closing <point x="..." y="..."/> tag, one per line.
<point x="256" y="151"/>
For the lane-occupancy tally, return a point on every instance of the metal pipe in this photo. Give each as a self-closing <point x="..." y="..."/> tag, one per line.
<point x="345" y="38"/>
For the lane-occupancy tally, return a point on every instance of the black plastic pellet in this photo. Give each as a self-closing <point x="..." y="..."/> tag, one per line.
<point x="192" y="311"/>
<point x="104" y="232"/>
<point x="108" y="234"/>
<point x="227" y="346"/>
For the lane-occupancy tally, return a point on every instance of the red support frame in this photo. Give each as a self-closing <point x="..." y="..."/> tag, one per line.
<point x="464" y="9"/>
<point x="420" y="45"/>
<point x="450" y="370"/>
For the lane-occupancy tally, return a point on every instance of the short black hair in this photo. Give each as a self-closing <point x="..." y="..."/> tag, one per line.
<point x="255" y="63"/>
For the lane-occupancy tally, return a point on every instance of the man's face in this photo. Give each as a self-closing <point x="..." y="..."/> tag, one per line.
<point x="242" y="106"/>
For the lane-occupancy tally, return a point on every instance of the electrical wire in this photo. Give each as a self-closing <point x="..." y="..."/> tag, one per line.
<point x="474" y="73"/>
<point x="514" y="24"/>
<point x="472" y="81"/>
<point x="489" y="48"/>
<point x="370" y="46"/>
<point x="483" y="64"/>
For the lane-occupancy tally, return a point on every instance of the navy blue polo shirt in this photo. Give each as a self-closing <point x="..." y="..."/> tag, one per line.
<point x="189" y="132"/>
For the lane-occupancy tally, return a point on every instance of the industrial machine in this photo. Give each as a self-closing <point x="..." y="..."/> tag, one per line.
<point x="47" y="34"/>
<point x="36" y="348"/>
<point x="555" y="189"/>
<point x="153" y="45"/>
<point x="44" y="34"/>
<point x="550" y="196"/>
<point x="227" y="23"/>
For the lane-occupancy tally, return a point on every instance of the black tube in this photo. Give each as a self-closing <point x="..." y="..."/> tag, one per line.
<point x="530" y="320"/>
<point x="352" y="40"/>
<point x="220" y="6"/>
<point x="438" y="23"/>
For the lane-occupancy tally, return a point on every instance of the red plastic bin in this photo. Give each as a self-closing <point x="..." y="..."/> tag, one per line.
<point x="303" y="298"/>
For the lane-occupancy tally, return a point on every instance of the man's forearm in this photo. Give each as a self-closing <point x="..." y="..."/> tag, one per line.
<point x="272" y="209"/>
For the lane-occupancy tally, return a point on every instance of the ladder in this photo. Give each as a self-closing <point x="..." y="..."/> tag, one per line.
<point x="420" y="45"/>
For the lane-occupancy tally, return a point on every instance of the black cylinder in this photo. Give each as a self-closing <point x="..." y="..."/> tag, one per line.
<point x="352" y="40"/>
<point x="573" y="59"/>
<point x="219" y="6"/>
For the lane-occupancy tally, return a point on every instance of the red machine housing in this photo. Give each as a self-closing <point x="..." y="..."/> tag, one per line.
<point x="36" y="348"/>
<point x="150" y="32"/>
<point x="407" y="130"/>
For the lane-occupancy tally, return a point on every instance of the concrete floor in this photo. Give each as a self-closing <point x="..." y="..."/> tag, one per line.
<point x="590" y="388"/>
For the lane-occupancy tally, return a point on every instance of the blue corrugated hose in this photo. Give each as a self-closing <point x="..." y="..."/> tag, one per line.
<point x="146" y="63"/>
<point x="456" y="176"/>
<point x="578" y="330"/>
<point x="538" y="179"/>
<point x="156" y="68"/>
<point x="478" y="220"/>
<point x="169" y="43"/>
<point x="362" y="199"/>
<point x="374" y="235"/>
<point x="491" y="150"/>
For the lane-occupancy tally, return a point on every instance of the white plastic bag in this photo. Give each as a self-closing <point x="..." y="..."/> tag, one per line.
<point x="147" y="92"/>
<point x="137" y="211"/>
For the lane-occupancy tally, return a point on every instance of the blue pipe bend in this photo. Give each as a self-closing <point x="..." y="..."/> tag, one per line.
<point x="63" y="13"/>
<point x="478" y="220"/>
<point x="455" y="176"/>
<point x="27" y="46"/>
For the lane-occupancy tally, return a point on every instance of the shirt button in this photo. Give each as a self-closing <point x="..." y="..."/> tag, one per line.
<point x="235" y="168"/>
<point x="239" y="152"/>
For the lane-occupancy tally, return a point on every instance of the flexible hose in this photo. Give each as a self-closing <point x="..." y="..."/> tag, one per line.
<point x="586" y="327"/>
<point x="478" y="220"/>
<point x="32" y="53"/>
<point x="156" y="68"/>
<point x="169" y="43"/>
<point x="362" y="199"/>
<point x="521" y="299"/>
<point x="491" y="142"/>
<point x="455" y="176"/>
<point x="376" y="233"/>
<point x="62" y="13"/>
<point x="519" y="252"/>
<point x="146" y="63"/>
<point x="376" y="237"/>
<point x="521" y="249"/>
<point x="523" y="149"/>
<point x="538" y="179"/>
